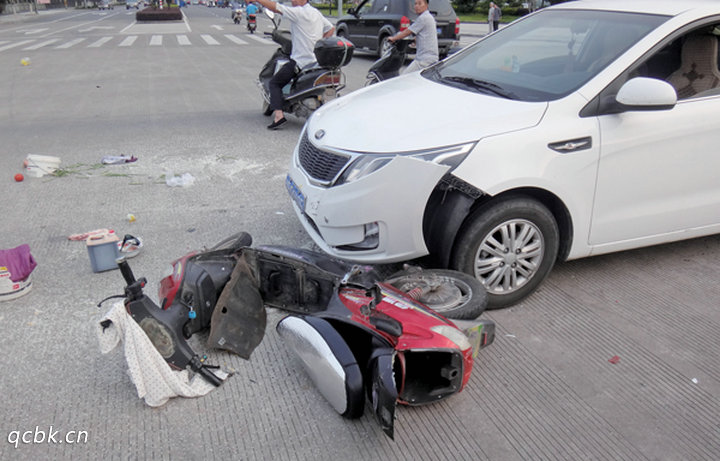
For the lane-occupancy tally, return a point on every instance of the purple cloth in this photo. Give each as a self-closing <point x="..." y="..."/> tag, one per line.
<point x="18" y="261"/>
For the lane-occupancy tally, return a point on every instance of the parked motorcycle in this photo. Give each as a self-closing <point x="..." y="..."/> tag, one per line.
<point x="389" y="63"/>
<point x="315" y="83"/>
<point x="357" y="334"/>
<point x="251" y="23"/>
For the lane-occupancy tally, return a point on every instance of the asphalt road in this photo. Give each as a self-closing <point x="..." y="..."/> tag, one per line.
<point x="182" y="99"/>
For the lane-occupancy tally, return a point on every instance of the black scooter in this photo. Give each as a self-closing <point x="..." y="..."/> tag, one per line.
<point x="314" y="84"/>
<point x="389" y="64"/>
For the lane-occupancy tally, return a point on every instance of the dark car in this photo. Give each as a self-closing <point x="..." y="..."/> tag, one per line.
<point x="373" y="21"/>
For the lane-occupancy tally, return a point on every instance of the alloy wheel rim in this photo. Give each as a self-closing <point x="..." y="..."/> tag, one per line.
<point x="509" y="256"/>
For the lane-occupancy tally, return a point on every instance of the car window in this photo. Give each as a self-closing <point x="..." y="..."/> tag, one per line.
<point x="545" y="56"/>
<point x="689" y="63"/>
<point x="381" y="6"/>
<point x="366" y="8"/>
<point x="441" y="8"/>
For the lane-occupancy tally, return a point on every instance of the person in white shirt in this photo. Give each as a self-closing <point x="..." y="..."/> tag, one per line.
<point x="425" y="30"/>
<point x="307" y="26"/>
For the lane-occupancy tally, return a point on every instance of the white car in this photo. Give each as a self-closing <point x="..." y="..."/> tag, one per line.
<point x="584" y="128"/>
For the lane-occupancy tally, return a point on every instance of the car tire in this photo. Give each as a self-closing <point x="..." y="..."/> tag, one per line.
<point x="454" y="294"/>
<point x="383" y="45"/>
<point x="510" y="245"/>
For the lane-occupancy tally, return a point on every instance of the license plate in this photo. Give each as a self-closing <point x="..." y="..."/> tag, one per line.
<point x="295" y="192"/>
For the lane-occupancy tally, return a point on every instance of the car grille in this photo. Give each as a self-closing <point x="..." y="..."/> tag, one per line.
<point x="320" y="165"/>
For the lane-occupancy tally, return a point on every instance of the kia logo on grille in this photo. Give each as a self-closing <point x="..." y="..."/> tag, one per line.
<point x="319" y="134"/>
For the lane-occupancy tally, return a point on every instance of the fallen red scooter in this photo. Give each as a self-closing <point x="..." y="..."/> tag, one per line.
<point x="359" y="336"/>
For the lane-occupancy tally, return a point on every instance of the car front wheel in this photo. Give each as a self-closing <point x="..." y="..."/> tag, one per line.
<point x="510" y="245"/>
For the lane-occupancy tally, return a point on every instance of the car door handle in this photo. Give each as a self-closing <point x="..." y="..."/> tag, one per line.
<point x="571" y="145"/>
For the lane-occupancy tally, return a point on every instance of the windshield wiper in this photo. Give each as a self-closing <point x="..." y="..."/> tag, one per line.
<point x="481" y="85"/>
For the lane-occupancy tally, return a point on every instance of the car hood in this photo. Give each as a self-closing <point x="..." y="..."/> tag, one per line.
<point x="411" y="112"/>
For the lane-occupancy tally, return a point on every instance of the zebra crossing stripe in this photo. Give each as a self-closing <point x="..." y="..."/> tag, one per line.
<point x="41" y="44"/>
<point x="13" y="45"/>
<point x="99" y="43"/>
<point x="69" y="44"/>
<point x="183" y="40"/>
<point x="235" y="39"/>
<point x="262" y="40"/>
<point x="128" y="40"/>
<point x="209" y="40"/>
<point x="156" y="40"/>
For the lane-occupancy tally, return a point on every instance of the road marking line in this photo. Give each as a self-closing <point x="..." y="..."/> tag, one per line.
<point x="13" y="45"/>
<point x="99" y="43"/>
<point x="69" y="44"/>
<point x="183" y="40"/>
<point x="129" y="40"/>
<point x="156" y="40"/>
<point x="133" y="23"/>
<point x="77" y="25"/>
<point x="261" y="39"/>
<point x="235" y="39"/>
<point x="217" y="27"/>
<point x="32" y="31"/>
<point x="42" y="44"/>
<point x="209" y="40"/>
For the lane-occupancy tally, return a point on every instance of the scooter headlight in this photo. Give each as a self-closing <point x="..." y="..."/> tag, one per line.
<point x="454" y="335"/>
<point x="369" y="163"/>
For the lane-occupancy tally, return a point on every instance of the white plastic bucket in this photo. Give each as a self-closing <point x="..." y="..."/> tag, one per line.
<point x="37" y="166"/>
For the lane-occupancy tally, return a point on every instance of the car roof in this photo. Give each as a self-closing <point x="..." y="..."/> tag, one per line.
<point x="663" y="7"/>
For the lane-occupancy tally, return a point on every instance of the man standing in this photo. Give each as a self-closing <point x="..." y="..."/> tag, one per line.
<point x="494" y="16"/>
<point x="425" y="30"/>
<point x="307" y="26"/>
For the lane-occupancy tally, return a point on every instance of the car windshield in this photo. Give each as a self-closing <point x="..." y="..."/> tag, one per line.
<point x="545" y="56"/>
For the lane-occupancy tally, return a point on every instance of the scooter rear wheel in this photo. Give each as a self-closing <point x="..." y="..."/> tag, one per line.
<point x="454" y="294"/>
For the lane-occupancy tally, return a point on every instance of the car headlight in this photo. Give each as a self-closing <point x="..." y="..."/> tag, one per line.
<point x="454" y="335"/>
<point x="366" y="164"/>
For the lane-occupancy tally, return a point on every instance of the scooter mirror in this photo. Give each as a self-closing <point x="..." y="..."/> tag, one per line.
<point x="269" y="14"/>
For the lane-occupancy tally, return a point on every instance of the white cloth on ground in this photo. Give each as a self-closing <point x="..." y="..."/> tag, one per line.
<point x="154" y="379"/>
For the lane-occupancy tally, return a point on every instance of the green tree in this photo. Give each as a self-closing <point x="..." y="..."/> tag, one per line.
<point x="465" y="6"/>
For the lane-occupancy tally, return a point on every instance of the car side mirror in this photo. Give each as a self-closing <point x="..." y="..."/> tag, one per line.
<point x="642" y="93"/>
<point x="352" y="11"/>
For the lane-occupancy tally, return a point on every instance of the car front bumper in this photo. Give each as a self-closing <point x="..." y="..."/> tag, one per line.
<point x="391" y="200"/>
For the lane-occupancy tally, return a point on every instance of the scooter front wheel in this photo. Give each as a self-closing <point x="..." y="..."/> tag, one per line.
<point x="266" y="108"/>
<point x="454" y="294"/>
<point x="371" y="79"/>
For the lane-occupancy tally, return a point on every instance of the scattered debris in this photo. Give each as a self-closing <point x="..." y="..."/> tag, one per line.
<point x="695" y="380"/>
<point x="130" y="246"/>
<point x="37" y="166"/>
<point x="118" y="159"/>
<point x="615" y="359"/>
<point x="85" y="235"/>
<point x="131" y="217"/>
<point x="185" y="180"/>
<point x="103" y="251"/>
<point x="19" y="177"/>
<point x="16" y="266"/>
<point x="25" y="61"/>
